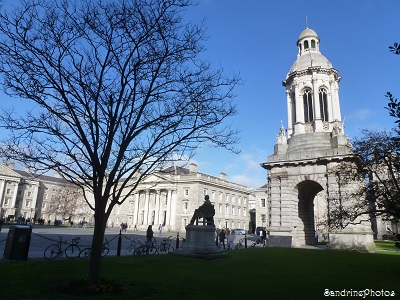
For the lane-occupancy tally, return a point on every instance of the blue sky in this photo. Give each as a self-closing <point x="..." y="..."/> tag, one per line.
<point x="257" y="38"/>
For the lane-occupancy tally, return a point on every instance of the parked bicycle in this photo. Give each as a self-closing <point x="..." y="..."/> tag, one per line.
<point x="147" y="248"/>
<point x="72" y="251"/>
<point x="166" y="245"/>
<point x="105" y="249"/>
<point x="130" y="250"/>
<point x="240" y="244"/>
<point x="257" y="243"/>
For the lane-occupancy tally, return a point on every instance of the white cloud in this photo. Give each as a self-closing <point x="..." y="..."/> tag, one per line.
<point x="361" y="114"/>
<point x="251" y="163"/>
<point x="247" y="181"/>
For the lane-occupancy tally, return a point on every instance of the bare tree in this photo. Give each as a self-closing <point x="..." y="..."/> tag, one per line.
<point x="67" y="203"/>
<point x="372" y="189"/>
<point x="119" y="88"/>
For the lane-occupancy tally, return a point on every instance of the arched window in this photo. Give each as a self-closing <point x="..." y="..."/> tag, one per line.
<point x="306" y="45"/>
<point x="308" y="107"/>
<point x="313" y="44"/>
<point x="323" y="104"/>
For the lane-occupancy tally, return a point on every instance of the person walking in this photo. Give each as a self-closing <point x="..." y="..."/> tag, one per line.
<point x="264" y="239"/>
<point x="222" y="238"/>
<point x="149" y="234"/>
<point x="160" y="228"/>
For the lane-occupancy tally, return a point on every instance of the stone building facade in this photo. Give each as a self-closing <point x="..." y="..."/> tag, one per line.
<point x="168" y="197"/>
<point x="302" y="182"/>
<point x="27" y="196"/>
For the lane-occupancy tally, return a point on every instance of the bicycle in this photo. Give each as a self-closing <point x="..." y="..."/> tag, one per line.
<point x="257" y="243"/>
<point x="72" y="251"/>
<point x="239" y="245"/>
<point x="166" y="245"/>
<point x="147" y="248"/>
<point x="130" y="250"/>
<point x="105" y="249"/>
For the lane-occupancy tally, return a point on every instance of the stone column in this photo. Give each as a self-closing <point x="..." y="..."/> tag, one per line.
<point x="34" y="199"/>
<point x="146" y="207"/>
<point x="173" y="209"/>
<point x="317" y="107"/>
<point x="299" y="125"/>
<point x="14" y="198"/>
<point x="157" y="208"/>
<point x="2" y="185"/>
<point x="335" y="100"/>
<point x="289" y="112"/>
<point x="136" y="209"/>
<point x="169" y="201"/>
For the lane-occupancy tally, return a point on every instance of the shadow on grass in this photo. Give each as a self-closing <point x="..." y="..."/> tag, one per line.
<point x="273" y="273"/>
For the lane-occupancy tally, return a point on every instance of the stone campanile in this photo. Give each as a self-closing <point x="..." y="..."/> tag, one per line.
<point x="300" y="179"/>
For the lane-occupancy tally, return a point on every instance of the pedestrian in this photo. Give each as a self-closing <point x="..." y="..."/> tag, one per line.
<point x="149" y="234"/>
<point x="135" y="228"/>
<point x="160" y="228"/>
<point x="264" y="238"/>
<point x="230" y="240"/>
<point x="1" y="223"/>
<point x="217" y="237"/>
<point x="222" y="238"/>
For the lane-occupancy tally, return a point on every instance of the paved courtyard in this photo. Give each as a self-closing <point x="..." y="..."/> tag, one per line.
<point x="43" y="236"/>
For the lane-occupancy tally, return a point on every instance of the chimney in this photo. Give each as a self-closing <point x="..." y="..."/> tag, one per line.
<point x="193" y="168"/>
<point x="222" y="176"/>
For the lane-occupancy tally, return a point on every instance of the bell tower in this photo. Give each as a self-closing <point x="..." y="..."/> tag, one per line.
<point x="301" y="183"/>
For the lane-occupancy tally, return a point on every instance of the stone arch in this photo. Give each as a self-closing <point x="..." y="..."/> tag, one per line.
<point x="307" y="190"/>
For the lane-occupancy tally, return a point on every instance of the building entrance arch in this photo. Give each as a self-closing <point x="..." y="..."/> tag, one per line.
<point x="307" y="191"/>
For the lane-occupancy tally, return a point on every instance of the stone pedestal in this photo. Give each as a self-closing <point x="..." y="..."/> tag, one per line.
<point x="200" y="239"/>
<point x="200" y="243"/>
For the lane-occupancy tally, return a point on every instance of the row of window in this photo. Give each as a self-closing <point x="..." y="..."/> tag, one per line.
<point x="220" y="196"/>
<point x="229" y="210"/>
<point x="7" y="201"/>
<point x="307" y="45"/>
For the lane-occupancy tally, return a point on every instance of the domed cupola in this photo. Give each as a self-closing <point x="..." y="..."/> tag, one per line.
<point x="308" y="52"/>
<point x="308" y="41"/>
<point x="312" y="96"/>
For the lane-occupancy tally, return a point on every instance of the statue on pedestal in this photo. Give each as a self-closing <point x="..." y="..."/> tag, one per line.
<point x="205" y="211"/>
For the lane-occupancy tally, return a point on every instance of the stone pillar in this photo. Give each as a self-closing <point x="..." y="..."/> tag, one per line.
<point x="299" y="125"/>
<point x="2" y="185"/>
<point x="34" y="199"/>
<point x="157" y="208"/>
<point x="335" y="101"/>
<point x="169" y="200"/>
<point x="136" y="209"/>
<point x="317" y="107"/>
<point x="14" y="198"/>
<point x="280" y="231"/>
<point x="146" y="207"/>
<point x="289" y="112"/>
<point x="172" y="209"/>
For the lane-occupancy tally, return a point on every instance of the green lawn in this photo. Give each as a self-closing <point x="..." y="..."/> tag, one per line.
<point x="257" y="273"/>
<point x="386" y="246"/>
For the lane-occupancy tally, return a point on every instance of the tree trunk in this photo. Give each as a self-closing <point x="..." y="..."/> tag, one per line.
<point x="94" y="277"/>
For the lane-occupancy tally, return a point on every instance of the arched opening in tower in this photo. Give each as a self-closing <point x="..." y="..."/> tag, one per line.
<point x="307" y="190"/>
